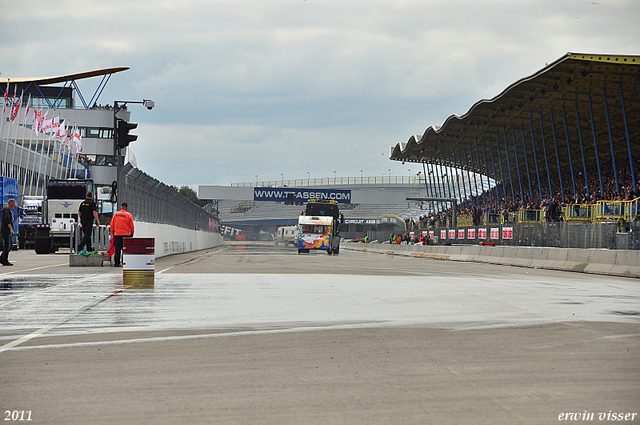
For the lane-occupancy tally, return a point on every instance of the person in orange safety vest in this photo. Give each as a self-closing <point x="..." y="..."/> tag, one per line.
<point x="121" y="227"/>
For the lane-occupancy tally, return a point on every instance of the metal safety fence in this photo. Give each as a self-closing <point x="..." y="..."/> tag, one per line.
<point x="100" y="238"/>
<point x="149" y="200"/>
<point x="552" y="234"/>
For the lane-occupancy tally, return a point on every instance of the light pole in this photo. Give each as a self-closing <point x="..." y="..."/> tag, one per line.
<point x="256" y="180"/>
<point x="119" y="105"/>
<point x="282" y="179"/>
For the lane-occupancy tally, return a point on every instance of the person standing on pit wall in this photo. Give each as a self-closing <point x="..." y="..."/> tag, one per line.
<point x="6" y="229"/>
<point x="121" y="227"/>
<point x="87" y="212"/>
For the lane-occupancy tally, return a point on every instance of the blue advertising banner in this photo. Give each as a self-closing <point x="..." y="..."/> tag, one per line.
<point x="301" y="195"/>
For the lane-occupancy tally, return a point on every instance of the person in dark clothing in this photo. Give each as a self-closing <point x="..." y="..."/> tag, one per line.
<point x="6" y="229"/>
<point x="87" y="212"/>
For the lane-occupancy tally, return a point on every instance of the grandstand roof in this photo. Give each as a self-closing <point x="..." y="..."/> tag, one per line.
<point x="546" y="106"/>
<point x="43" y="81"/>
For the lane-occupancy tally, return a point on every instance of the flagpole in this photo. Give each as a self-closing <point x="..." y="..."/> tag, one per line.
<point x="41" y="150"/>
<point x="4" y="108"/>
<point x="27" y="165"/>
<point x="24" y="135"/>
<point x="43" y="173"/>
<point x="6" y="152"/>
<point x="51" y="155"/>
<point x="76" y="155"/>
<point x="69" y="160"/>
<point x="56" y="144"/>
<point x="35" y="127"/>
<point x="67" y="173"/>
<point x="15" y="139"/>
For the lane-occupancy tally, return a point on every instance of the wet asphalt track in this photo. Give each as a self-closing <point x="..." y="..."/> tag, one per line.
<point x="264" y="307"/>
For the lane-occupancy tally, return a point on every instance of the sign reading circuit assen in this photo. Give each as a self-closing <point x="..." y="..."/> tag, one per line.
<point x="301" y="195"/>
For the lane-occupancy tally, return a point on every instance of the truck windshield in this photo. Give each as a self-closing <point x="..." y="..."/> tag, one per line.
<point x="316" y="229"/>
<point x="67" y="191"/>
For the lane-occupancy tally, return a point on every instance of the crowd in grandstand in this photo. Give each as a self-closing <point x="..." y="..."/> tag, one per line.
<point x="551" y="203"/>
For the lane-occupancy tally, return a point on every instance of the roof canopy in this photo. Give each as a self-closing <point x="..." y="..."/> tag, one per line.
<point x="563" y="109"/>
<point x="43" y="81"/>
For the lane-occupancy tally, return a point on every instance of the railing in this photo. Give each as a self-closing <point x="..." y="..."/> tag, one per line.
<point x="632" y="209"/>
<point x="334" y="181"/>
<point x="493" y="218"/>
<point x="530" y="216"/>
<point x="609" y="210"/>
<point x="100" y="238"/>
<point x="577" y="213"/>
<point x="465" y="221"/>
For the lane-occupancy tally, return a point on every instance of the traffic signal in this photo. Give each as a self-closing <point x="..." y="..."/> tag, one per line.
<point x="123" y="138"/>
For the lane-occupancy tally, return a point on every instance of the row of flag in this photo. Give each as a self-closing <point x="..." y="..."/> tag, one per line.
<point x="42" y="123"/>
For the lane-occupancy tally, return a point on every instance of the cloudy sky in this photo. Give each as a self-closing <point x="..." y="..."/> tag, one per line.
<point x="296" y="88"/>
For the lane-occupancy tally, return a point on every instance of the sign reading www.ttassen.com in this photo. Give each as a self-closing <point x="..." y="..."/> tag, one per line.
<point x="300" y="195"/>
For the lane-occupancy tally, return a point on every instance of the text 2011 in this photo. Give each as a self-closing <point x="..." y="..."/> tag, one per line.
<point x="17" y="415"/>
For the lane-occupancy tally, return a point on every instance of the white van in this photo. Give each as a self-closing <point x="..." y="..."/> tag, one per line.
<point x="287" y="235"/>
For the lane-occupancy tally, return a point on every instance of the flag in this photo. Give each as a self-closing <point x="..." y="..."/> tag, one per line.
<point x="37" y="120"/>
<point x="6" y="97"/>
<point x="26" y="111"/>
<point x="132" y="158"/>
<point x="55" y="124"/>
<point x="77" y="139"/>
<point x="44" y="121"/>
<point x="47" y="125"/>
<point x="62" y="132"/>
<point x="16" y="107"/>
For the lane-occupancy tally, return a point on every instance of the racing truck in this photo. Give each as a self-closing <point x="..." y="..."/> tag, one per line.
<point x="60" y="213"/>
<point x="319" y="227"/>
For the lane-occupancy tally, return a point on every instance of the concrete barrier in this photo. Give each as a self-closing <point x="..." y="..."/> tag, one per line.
<point x="626" y="263"/>
<point x="602" y="262"/>
<point x="557" y="259"/>
<point x="597" y="261"/>
<point x="176" y="240"/>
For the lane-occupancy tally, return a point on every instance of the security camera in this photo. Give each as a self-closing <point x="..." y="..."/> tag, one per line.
<point x="149" y="104"/>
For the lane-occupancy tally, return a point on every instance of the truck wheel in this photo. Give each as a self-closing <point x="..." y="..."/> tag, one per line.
<point x="329" y="251"/>
<point x="336" y="251"/>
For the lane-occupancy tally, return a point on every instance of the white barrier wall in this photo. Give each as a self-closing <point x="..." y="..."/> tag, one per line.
<point x="175" y="240"/>
<point x="598" y="261"/>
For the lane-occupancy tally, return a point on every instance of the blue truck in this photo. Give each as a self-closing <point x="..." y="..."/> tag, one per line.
<point x="9" y="189"/>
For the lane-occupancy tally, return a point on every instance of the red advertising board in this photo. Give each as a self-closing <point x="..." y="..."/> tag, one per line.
<point x="452" y="234"/>
<point x="460" y="233"/>
<point x="482" y="233"/>
<point x="431" y="234"/>
<point x="495" y="233"/>
<point x="471" y="234"/>
<point x="507" y="233"/>
<point x="443" y="234"/>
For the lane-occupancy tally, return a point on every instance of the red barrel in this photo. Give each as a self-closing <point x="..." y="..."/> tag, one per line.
<point x="138" y="261"/>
